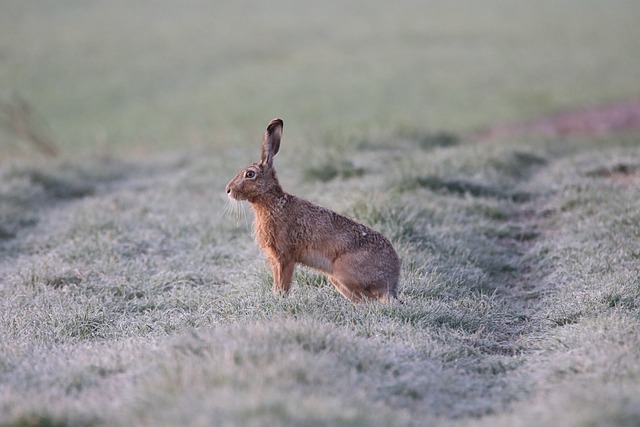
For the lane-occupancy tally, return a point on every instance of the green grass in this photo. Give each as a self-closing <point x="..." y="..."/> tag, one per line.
<point x="128" y="297"/>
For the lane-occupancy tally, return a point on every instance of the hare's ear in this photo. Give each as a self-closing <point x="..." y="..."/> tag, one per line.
<point x="271" y="142"/>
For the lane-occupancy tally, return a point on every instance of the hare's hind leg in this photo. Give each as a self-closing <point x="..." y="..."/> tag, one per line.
<point x="346" y="291"/>
<point x="361" y="276"/>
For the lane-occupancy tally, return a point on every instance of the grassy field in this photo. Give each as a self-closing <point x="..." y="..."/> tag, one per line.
<point x="129" y="297"/>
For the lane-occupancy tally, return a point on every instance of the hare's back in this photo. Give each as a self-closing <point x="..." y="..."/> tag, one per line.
<point x="324" y="226"/>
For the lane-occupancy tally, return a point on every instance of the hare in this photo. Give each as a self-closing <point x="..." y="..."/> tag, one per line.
<point x="360" y="262"/>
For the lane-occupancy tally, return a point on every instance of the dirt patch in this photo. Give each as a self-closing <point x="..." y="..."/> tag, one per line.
<point x="620" y="173"/>
<point x="627" y="179"/>
<point x="594" y="121"/>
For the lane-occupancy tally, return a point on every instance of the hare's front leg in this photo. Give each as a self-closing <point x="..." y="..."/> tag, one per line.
<point x="282" y="275"/>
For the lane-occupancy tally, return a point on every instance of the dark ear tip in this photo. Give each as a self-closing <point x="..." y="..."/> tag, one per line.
<point x="275" y="123"/>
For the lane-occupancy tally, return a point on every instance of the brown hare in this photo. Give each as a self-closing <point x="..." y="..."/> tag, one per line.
<point x="360" y="262"/>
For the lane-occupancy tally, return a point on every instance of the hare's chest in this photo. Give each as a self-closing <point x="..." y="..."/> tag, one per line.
<point x="272" y="235"/>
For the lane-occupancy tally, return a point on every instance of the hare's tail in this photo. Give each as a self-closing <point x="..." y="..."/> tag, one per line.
<point x="391" y="297"/>
<point x="395" y="298"/>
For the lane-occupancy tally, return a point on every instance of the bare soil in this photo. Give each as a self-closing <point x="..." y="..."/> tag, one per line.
<point x="593" y="121"/>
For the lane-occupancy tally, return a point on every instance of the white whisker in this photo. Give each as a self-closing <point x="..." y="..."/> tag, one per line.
<point x="244" y="214"/>
<point x="236" y="210"/>
<point x="228" y="210"/>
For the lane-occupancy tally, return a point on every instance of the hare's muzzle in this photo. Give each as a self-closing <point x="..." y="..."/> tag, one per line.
<point x="232" y="190"/>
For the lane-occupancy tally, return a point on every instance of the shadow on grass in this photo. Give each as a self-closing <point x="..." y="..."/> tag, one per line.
<point x="424" y="140"/>
<point x="343" y="169"/>
<point x="44" y="420"/>
<point x="27" y="191"/>
<point x="517" y="167"/>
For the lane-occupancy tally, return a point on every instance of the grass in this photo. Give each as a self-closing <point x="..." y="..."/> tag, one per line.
<point x="127" y="297"/>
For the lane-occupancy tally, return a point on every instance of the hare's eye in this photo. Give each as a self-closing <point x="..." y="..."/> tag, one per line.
<point x="250" y="174"/>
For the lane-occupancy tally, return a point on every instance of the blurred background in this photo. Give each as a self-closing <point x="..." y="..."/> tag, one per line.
<point x="133" y="78"/>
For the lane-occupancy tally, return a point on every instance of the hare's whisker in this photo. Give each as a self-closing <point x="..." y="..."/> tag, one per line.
<point x="244" y="215"/>
<point x="237" y="211"/>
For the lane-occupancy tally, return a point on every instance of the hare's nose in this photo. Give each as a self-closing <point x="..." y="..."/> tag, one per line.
<point x="228" y="190"/>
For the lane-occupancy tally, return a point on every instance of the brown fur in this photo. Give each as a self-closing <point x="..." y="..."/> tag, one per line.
<point x="359" y="262"/>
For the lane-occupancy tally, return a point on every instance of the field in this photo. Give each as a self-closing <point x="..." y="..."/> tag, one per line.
<point x="130" y="295"/>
